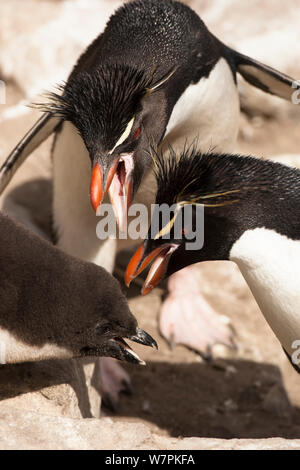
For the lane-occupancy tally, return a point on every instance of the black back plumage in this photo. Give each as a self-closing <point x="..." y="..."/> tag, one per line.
<point x="157" y="32"/>
<point x="142" y="42"/>
<point x="164" y="34"/>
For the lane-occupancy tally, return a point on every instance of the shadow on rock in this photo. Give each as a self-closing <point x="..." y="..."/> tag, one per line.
<point x="232" y="399"/>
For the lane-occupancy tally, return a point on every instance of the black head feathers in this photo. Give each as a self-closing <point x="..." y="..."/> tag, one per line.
<point x="102" y="101"/>
<point x="215" y="180"/>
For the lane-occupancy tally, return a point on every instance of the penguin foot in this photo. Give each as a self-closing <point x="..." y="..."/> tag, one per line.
<point x="187" y="318"/>
<point x="113" y="381"/>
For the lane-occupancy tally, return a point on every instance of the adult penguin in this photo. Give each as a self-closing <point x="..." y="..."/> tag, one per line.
<point x="250" y="214"/>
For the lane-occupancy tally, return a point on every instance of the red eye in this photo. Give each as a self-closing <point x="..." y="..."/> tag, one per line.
<point x="137" y="133"/>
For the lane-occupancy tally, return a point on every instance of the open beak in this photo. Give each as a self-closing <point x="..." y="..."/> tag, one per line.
<point x="117" y="181"/>
<point x="159" y="257"/>
<point x="126" y="353"/>
<point x="118" y="348"/>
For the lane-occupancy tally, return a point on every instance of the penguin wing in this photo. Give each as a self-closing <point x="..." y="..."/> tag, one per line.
<point x="41" y="130"/>
<point x="264" y="77"/>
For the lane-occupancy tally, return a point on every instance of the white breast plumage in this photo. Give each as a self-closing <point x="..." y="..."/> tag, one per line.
<point x="270" y="263"/>
<point x="14" y="350"/>
<point x="208" y="110"/>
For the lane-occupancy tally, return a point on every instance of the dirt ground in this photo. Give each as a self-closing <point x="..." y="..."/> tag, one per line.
<point x="249" y="393"/>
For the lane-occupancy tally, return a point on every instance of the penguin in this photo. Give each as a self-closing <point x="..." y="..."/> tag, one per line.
<point x="251" y="216"/>
<point x="54" y="306"/>
<point x="156" y="75"/>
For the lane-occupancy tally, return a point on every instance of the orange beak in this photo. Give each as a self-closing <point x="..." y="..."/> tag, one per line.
<point x="118" y="183"/>
<point x="160" y="258"/>
<point x="96" y="187"/>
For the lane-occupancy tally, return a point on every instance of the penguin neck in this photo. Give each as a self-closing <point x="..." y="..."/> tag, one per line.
<point x="270" y="264"/>
<point x="207" y="111"/>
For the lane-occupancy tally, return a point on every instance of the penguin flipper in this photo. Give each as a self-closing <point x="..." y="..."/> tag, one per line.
<point x="264" y="77"/>
<point x="41" y="130"/>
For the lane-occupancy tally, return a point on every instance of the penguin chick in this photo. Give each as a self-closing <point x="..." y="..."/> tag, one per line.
<point x="251" y="216"/>
<point x="56" y="306"/>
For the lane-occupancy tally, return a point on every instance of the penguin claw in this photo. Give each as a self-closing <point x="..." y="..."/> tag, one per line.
<point x="186" y="318"/>
<point x="183" y="322"/>
<point x="114" y="380"/>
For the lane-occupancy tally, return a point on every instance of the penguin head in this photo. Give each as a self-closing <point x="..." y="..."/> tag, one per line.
<point x="186" y="219"/>
<point x="214" y="199"/>
<point x="118" y="110"/>
<point x="100" y="320"/>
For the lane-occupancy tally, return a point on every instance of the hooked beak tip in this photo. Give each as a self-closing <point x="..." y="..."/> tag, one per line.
<point x="128" y="280"/>
<point x="144" y="338"/>
<point x="147" y="288"/>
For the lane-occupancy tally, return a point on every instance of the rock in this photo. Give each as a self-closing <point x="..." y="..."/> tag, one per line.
<point x="57" y="433"/>
<point x="50" y="38"/>
<point x="55" y="387"/>
<point x="269" y="38"/>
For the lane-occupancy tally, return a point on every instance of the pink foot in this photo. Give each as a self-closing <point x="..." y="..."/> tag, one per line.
<point x="186" y="317"/>
<point x="113" y="381"/>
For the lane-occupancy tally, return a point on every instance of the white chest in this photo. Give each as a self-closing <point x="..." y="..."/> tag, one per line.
<point x="208" y="110"/>
<point x="74" y="219"/>
<point x="270" y="263"/>
<point x="14" y="350"/>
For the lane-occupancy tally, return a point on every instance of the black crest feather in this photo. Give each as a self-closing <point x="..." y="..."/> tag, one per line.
<point x="100" y="102"/>
<point x="216" y="180"/>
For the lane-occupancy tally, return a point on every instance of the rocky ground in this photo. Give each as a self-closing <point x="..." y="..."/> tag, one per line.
<point x="241" y="399"/>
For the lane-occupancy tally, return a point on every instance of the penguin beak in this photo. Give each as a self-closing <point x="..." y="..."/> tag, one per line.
<point x="142" y="337"/>
<point x="143" y="257"/>
<point x="126" y="353"/>
<point x="96" y="186"/>
<point x="120" y="189"/>
<point x="118" y="348"/>
<point x="117" y="181"/>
